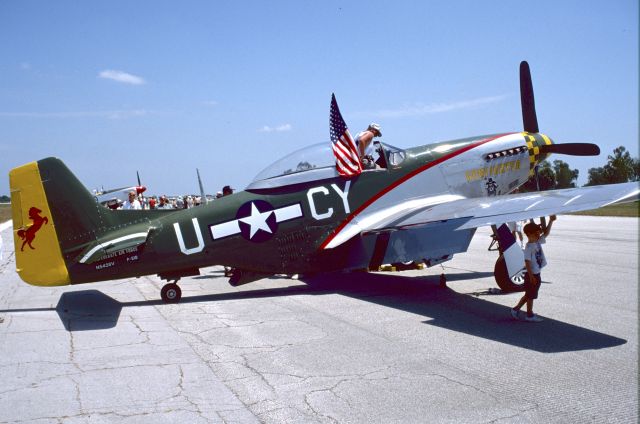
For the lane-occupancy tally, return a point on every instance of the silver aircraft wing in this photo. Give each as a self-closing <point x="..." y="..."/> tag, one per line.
<point x="516" y="207"/>
<point x="479" y="212"/>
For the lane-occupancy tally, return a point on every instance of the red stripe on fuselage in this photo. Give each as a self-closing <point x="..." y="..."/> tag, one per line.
<point x="402" y="180"/>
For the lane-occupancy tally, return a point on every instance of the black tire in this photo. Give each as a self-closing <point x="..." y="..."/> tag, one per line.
<point x="513" y="284"/>
<point x="171" y="293"/>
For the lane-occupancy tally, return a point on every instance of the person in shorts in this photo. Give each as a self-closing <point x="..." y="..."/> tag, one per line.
<point x="534" y="261"/>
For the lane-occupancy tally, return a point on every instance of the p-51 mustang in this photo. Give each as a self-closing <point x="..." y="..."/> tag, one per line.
<point x="304" y="214"/>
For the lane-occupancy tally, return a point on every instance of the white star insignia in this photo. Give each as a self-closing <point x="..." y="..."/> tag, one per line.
<point x="257" y="220"/>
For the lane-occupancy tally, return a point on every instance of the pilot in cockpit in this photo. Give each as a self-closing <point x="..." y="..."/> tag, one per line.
<point x="363" y="142"/>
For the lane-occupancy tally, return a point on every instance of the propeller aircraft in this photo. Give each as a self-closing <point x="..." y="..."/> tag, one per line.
<point x="301" y="216"/>
<point x="114" y="198"/>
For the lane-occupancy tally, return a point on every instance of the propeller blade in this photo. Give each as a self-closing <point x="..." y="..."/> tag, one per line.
<point x="529" y="118"/>
<point x="574" y="149"/>
<point x="203" y="196"/>
<point x="138" y="174"/>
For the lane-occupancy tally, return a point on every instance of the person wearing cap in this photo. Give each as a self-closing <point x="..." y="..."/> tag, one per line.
<point x="227" y="190"/>
<point x="363" y="140"/>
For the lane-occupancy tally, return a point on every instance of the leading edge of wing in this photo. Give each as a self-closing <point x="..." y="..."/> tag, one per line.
<point x="518" y="207"/>
<point x="488" y="210"/>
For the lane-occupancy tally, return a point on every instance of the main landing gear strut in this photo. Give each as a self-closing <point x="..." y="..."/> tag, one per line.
<point x="171" y="292"/>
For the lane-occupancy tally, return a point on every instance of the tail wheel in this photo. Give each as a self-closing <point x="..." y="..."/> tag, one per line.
<point x="171" y="293"/>
<point x="513" y="284"/>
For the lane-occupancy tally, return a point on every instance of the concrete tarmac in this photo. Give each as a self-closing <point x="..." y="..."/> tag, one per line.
<point x="350" y="348"/>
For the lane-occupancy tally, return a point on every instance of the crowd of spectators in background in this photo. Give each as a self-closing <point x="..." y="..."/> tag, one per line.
<point x="164" y="202"/>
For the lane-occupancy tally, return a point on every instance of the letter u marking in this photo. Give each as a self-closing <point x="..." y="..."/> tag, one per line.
<point x="183" y="248"/>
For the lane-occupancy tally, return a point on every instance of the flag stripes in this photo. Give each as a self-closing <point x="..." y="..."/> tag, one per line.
<point x="344" y="147"/>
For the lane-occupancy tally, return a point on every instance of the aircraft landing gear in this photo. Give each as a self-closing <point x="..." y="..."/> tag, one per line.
<point x="171" y="292"/>
<point x="513" y="284"/>
<point x="507" y="284"/>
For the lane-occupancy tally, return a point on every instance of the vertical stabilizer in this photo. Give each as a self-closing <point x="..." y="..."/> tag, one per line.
<point x="39" y="258"/>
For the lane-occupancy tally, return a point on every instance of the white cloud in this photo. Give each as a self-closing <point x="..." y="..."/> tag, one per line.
<point x="122" y="77"/>
<point x="419" y="109"/>
<point x="210" y="103"/>
<point x="279" y="128"/>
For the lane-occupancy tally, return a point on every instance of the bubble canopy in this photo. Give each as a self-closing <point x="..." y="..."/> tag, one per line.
<point x="315" y="162"/>
<point x="311" y="157"/>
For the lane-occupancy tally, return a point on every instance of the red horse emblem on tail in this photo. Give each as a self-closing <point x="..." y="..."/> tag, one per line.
<point x="29" y="234"/>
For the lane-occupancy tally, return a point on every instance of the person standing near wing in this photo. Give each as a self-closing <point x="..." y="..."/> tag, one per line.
<point x="534" y="260"/>
<point x="363" y="142"/>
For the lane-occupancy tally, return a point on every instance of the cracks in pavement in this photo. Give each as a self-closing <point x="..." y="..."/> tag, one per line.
<point x="181" y="394"/>
<point x="510" y="418"/>
<point x="246" y="377"/>
<point x="291" y="391"/>
<point x="7" y="261"/>
<point x="204" y="360"/>
<point x="141" y="331"/>
<point x="460" y="383"/>
<point x="74" y="363"/>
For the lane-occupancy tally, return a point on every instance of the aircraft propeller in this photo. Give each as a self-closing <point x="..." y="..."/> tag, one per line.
<point x="529" y="117"/>
<point x="530" y="120"/>
<point x="574" y="149"/>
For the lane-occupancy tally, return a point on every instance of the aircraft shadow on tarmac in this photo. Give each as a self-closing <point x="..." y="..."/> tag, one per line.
<point x="445" y="308"/>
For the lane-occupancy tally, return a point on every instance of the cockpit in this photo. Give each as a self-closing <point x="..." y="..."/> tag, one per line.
<point x="317" y="162"/>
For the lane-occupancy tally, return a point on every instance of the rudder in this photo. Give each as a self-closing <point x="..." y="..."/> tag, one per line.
<point x="39" y="258"/>
<point x="54" y="218"/>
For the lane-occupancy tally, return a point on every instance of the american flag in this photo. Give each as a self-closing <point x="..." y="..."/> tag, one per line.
<point x="344" y="148"/>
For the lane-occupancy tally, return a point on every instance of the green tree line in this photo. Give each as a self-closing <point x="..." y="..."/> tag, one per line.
<point x="620" y="168"/>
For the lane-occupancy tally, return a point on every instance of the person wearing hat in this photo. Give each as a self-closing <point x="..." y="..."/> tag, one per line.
<point x="227" y="190"/>
<point x="363" y="139"/>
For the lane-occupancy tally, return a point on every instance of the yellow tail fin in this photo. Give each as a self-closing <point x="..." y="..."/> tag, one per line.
<point x="39" y="258"/>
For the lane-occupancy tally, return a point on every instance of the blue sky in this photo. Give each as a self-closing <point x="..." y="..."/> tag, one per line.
<point x="228" y="87"/>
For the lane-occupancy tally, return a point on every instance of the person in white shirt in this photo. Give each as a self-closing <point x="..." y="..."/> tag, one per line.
<point x="534" y="261"/>
<point x="132" y="202"/>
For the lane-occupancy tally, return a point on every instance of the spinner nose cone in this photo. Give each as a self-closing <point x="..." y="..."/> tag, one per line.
<point x="536" y="143"/>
